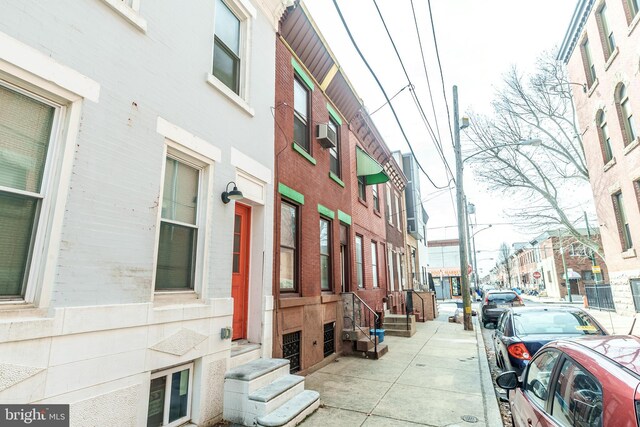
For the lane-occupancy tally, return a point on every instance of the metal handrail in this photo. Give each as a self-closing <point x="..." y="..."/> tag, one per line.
<point x="421" y="300"/>
<point x="369" y="312"/>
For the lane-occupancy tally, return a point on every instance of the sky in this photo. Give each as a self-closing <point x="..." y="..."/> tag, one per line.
<point x="478" y="41"/>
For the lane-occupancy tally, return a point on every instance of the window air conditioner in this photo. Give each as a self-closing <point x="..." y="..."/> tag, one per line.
<point x="326" y="136"/>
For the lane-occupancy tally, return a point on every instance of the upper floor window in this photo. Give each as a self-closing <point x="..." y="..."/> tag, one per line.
<point x="623" y="224"/>
<point x="605" y="139"/>
<point x="288" y="247"/>
<point x="606" y="33"/>
<point x="589" y="67"/>
<point x="374" y="263"/>
<point x="26" y="136"/>
<point x="398" y="212"/>
<point x="362" y="188"/>
<point x="301" y="127"/>
<point x="334" y="152"/>
<point x="359" y="262"/>
<point x="631" y="8"/>
<point x="325" y="254"/>
<point x="625" y="115"/>
<point x="179" y="225"/>
<point x="226" y="50"/>
<point x="388" y="200"/>
<point x="376" y="199"/>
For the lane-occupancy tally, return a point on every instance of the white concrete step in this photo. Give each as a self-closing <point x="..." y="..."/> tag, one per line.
<point x="256" y="374"/>
<point x="292" y="412"/>
<point x="272" y="396"/>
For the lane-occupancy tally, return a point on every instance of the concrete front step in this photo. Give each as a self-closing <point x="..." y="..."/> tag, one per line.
<point x="292" y="412"/>
<point x="382" y="350"/>
<point x="269" y="398"/>
<point x="399" y="332"/>
<point x="349" y="335"/>
<point x="399" y="318"/>
<point x="247" y="378"/>
<point x="366" y="344"/>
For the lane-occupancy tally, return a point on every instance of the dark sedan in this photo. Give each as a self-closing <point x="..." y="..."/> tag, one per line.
<point x="496" y="302"/>
<point x="522" y="331"/>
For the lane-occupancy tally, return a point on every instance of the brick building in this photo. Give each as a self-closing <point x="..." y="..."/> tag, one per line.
<point x="329" y="234"/>
<point x="600" y="50"/>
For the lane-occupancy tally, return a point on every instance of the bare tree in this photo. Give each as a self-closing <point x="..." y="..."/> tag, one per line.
<point x="504" y="260"/>
<point x="543" y="181"/>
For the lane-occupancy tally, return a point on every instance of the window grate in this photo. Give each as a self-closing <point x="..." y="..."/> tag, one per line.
<point x="291" y="350"/>
<point x="329" y="339"/>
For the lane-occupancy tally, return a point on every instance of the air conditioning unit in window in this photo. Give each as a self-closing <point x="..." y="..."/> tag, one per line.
<point x="326" y="136"/>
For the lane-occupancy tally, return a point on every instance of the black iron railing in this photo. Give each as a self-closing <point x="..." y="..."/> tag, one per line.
<point x="410" y="293"/>
<point x="353" y="308"/>
<point x="600" y="297"/>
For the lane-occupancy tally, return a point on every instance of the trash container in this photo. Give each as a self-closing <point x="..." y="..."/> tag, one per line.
<point x="379" y="333"/>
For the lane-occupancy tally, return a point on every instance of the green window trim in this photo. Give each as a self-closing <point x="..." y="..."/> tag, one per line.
<point x="304" y="153"/>
<point x="334" y="177"/>
<point x="290" y="193"/>
<point x="326" y="211"/>
<point x="334" y="114"/>
<point x="344" y="217"/>
<point x="302" y="74"/>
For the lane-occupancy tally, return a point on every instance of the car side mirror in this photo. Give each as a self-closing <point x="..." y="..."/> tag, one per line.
<point x="507" y="380"/>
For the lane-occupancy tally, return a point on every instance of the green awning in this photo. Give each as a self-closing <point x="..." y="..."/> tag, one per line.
<point x="368" y="167"/>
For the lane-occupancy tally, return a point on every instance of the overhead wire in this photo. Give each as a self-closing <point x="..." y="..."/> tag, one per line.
<point x="373" y="74"/>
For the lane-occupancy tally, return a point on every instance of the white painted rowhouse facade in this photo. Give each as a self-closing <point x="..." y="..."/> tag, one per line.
<point x="117" y="138"/>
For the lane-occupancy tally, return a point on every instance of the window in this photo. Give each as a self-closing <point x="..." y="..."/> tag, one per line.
<point x="288" y="246"/>
<point x="537" y="383"/>
<point x="170" y="397"/>
<point x="549" y="277"/>
<point x="374" y="263"/>
<point x="608" y="41"/>
<point x="625" y="115"/>
<point x="179" y="225"/>
<point x="226" y="47"/>
<point x="376" y="199"/>
<point x="301" y="115"/>
<point x="623" y="225"/>
<point x="291" y="350"/>
<point x="334" y="152"/>
<point x="26" y="131"/>
<point x="635" y="293"/>
<point x="631" y="8"/>
<point x="325" y="255"/>
<point x="605" y="140"/>
<point x="359" y="262"/>
<point x="362" y="189"/>
<point x="388" y="200"/>
<point x="398" y="212"/>
<point x="577" y="399"/>
<point x="578" y="249"/>
<point x="589" y="68"/>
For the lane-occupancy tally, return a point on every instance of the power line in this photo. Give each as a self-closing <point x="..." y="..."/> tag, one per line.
<point x="395" y="115"/>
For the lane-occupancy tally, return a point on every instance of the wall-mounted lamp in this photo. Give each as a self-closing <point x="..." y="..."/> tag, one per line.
<point x="234" y="194"/>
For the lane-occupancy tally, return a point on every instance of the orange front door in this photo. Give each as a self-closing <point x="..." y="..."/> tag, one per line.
<point x="240" y="270"/>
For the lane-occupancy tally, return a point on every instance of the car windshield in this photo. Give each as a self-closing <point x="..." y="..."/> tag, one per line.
<point x="554" y="322"/>
<point x="500" y="297"/>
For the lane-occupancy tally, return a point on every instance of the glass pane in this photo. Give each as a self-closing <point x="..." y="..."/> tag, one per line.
<point x="225" y="66"/>
<point x="236" y="243"/>
<point x="17" y="214"/>
<point x="237" y="224"/>
<point x="300" y="133"/>
<point x="325" y="272"/>
<point x="25" y="129"/>
<point x="577" y="400"/>
<point x="180" y="196"/>
<point x="300" y="99"/>
<point x="236" y="263"/>
<point x="287" y="264"/>
<point x="324" y="237"/>
<point x="537" y="383"/>
<point x="179" y="395"/>
<point x="288" y="225"/>
<point x="175" y="257"/>
<point x="155" y="413"/>
<point x="227" y="27"/>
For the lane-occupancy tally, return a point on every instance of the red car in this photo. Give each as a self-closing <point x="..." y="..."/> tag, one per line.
<point x="591" y="381"/>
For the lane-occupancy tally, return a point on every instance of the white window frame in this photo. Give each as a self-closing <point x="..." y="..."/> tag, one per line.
<point x="388" y="200"/>
<point x="129" y="10"/>
<point x="392" y="286"/>
<point x="398" y="212"/>
<point x="25" y="67"/>
<point x="167" y="393"/>
<point x="374" y="264"/>
<point x="246" y="13"/>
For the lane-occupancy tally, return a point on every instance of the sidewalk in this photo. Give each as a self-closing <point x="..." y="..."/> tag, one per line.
<point x="433" y="378"/>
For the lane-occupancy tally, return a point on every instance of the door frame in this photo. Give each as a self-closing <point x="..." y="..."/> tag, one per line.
<point x="245" y="261"/>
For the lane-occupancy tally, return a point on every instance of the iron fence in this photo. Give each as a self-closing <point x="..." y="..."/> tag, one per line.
<point x="600" y="297"/>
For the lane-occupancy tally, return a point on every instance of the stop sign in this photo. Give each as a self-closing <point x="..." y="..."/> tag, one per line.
<point x="469" y="269"/>
<point x="537" y="275"/>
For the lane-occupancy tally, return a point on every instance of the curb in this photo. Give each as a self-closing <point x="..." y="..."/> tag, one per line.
<point x="493" y="418"/>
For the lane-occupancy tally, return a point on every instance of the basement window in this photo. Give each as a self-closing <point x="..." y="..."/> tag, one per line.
<point x="329" y="339"/>
<point x="291" y="350"/>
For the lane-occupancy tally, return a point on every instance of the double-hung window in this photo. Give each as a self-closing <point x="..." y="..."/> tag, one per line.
<point x="589" y="67"/>
<point x="359" y="262"/>
<point x="623" y="224"/>
<point x="301" y="127"/>
<point x="334" y="152"/>
<point x="170" y="397"/>
<point x="362" y="188"/>
<point x="608" y="40"/>
<point x="226" y="47"/>
<point x="179" y="224"/>
<point x="27" y="125"/>
<point x="388" y="200"/>
<point x="376" y="199"/>
<point x="631" y="8"/>
<point x="605" y="139"/>
<point x="325" y="255"/>
<point x="374" y="263"/>
<point x="288" y="247"/>
<point x="625" y="114"/>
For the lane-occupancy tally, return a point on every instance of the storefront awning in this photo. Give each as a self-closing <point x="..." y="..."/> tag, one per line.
<point x="369" y="168"/>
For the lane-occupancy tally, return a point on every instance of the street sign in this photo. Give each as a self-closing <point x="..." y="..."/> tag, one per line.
<point x="596" y="269"/>
<point x="537" y="275"/>
<point x="469" y="269"/>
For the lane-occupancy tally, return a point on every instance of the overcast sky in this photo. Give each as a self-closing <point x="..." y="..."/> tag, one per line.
<point x="478" y="41"/>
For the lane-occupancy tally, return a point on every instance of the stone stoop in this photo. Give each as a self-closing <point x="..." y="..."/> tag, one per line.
<point x="359" y="344"/>
<point x="263" y="392"/>
<point x="396" y="325"/>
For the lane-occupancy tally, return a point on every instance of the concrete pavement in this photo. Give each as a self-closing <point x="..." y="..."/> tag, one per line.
<point x="434" y="378"/>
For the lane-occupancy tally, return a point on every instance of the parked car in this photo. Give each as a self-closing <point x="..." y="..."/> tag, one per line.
<point x="590" y="381"/>
<point x="522" y="331"/>
<point x="517" y="290"/>
<point x="496" y="302"/>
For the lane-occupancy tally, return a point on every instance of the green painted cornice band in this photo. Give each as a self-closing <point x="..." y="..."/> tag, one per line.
<point x="290" y="193"/>
<point x="344" y="217"/>
<point x="326" y="211"/>
<point x="302" y="74"/>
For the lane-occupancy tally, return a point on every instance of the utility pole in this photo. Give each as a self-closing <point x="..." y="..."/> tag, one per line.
<point x="462" y="235"/>
<point x="468" y="229"/>
<point x="592" y="254"/>
<point x="564" y="266"/>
